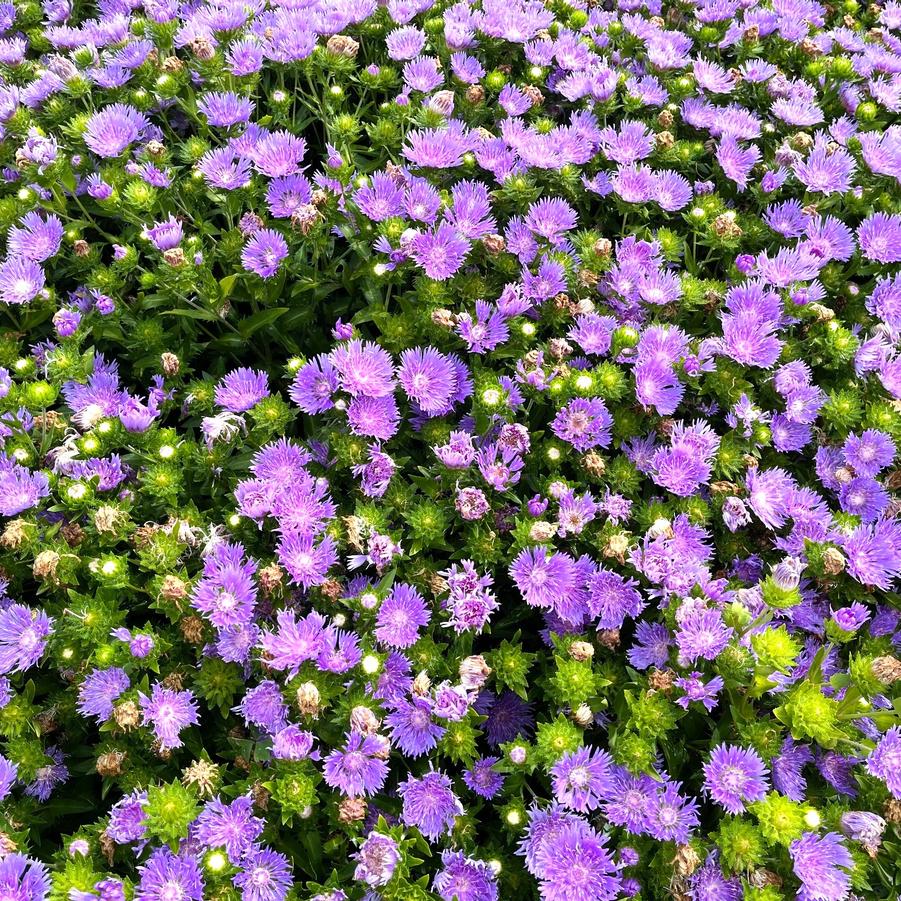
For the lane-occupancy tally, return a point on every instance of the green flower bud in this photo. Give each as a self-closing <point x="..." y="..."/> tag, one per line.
<point x="170" y="810"/>
<point x="810" y="714"/>
<point x="741" y="844"/>
<point x="554" y="739"/>
<point x="781" y="820"/>
<point x="775" y="649"/>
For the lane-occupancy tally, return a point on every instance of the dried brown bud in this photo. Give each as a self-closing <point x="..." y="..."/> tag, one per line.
<point x="192" y="629"/>
<point x="443" y="318"/>
<point x="833" y="561"/>
<point x="201" y="48"/>
<point x="173" y="588"/>
<point x="588" y="278"/>
<point x="762" y="878"/>
<point x="581" y="651"/>
<point x="608" y="638"/>
<point x="81" y="248"/>
<point x="363" y="720"/>
<point x="422" y="684"/>
<point x="534" y="94"/>
<point x="260" y="795"/>
<point x="657" y="22"/>
<point x="173" y="681"/>
<point x="616" y="547"/>
<point x="494" y="243"/>
<point x="170" y="364"/>
<point x="271" y="577"/>
<point x="45" y="565"/>
<point x="892" y="811"/>
<point x="559" y="348"/>
<point x="203" y="775"/>
<point x="887" y="669"/>
<point x="822" y="313"/>
<point x="172" y="64"/>
<point x="352" y="810"/>
<point x="175" y="257"/>
<point x="752" y="33"/>
<point x="666" y="119"/>
<point x="664" y="140"/>
<point x="561" y="301"/>
<point x="594" y="464"/>
<point x="686" y="860"/>
<point x="342" y="45"/>
<point x="662" y="680"/>
<point x="106" y="518"/>
<point x="72" y="533"/>
<point x="7" y="845"/>
<point x="155" y="149"/>
<point x="475" y="94"/>
<point x="15" y="534"/>
<point x="319" y="198"/>
<point x="49" y="420"/>
<point x="542" y="531"/>
<point x="582" y="716"/>
<point x="474" y="672"/>
<point x="108" y="847"/>
<point x="603" y="247"/>
<point x="308" y="699"/>
<point x="304" y="218"/>
<point x="725" y="225"/>
<point x="722" y="487"/>
<point x="843" y="474"/>
<point x="126" y="715"/>
<point x="110" y="763"/>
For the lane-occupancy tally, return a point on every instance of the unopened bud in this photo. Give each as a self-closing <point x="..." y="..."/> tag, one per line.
<point x="582" y="716"/>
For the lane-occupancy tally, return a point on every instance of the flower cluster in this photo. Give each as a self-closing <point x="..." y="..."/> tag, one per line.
<point x="450" y="450"/>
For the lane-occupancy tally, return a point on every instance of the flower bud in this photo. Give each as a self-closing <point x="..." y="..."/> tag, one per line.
<point x="342" y="45"/>
<point x="421" y="684"/>
<point x="110" y="763"/>
<point x="352" y="810"/>
<point x="363" y="720"/>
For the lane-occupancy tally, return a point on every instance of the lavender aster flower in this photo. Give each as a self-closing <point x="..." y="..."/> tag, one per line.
<point x="429" y="803"/>
<point x="360" y="769"/>
<point x="166" y="876"/>
<point x="735" y="776"/>
<point x="167" y="712"/>
<point x="820" y="862"/>
<point x="99" y="690"/>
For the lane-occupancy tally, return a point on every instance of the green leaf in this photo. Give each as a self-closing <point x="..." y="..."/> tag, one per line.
<point x="260" y="320"/>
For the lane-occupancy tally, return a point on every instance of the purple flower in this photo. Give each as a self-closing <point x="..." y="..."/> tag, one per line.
<point x="21" y="280"/>
<point x="113" y="129"/>
<point x="412" y="729"/>
<point x="787" y="767"/>
<point x="225" y="108"/>
<point x="483" y="779"/>
<point x="431" y="379"/>
<point x="264" y="252"/>
<point x="440" y="252"/>
<point x="166" y="875"/>
<point x="8" y="773"/>
<point x="582" y="779"/>
<point x="702" y="633"/>
<point x="360" y="769"/>
<point x="167" y="712"/>
<point x="400" y="617"/>
<point x="377" y="859"/>
<point x="463" y="879"/>
<point x="279" y="153"/>
<point x="165" y="235"/>
<point x="264" y="706"/>
<point x="24" y="879"/>
<point x="429" y="803"/>
<point x="364" y="368"/>
<point x="880" y="238"/>
<point x="884" y="761"/>
<point x="37" y="238"/>
<point x="735" y="776"/>
<point x="242" y="389"/>
<point x="584" y="423"/>
<point x="265" y="875"/>
<point x="575" y="863"/>
<point x="126" y="819"/>
<point x="100" y="690"/>
<point x="652" y="646"/>
<point x="231" y="826"/>
<point x="820" y="861"/>
<point x="23" y="637"/>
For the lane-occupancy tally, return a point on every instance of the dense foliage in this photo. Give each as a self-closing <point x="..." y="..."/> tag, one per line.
<point x="448" y="450"/>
